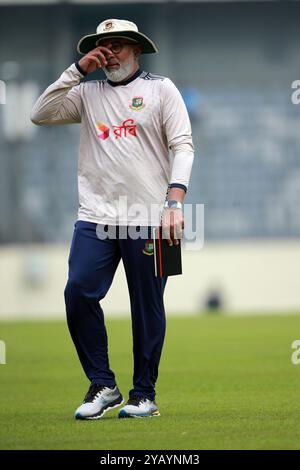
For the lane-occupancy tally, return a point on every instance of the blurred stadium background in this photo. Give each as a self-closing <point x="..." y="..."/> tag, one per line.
<point x="234" y="63"/>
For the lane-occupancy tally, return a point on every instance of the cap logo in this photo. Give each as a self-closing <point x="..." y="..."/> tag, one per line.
<point x="108" y="25"/>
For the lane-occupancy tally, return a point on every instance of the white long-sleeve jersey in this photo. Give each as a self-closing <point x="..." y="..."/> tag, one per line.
<point x="124" y="168"/>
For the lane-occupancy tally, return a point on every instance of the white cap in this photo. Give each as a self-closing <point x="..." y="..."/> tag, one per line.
<point x="116" y="28"/>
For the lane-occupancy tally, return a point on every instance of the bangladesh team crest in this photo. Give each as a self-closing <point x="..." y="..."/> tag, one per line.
<point x="137" y="103"/>
<point x="148" y="248"/>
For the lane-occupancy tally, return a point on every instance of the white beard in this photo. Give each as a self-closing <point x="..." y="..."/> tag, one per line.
<point x="126" y="68"/>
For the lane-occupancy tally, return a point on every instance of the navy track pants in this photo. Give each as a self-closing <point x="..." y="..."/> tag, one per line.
<point x="92" y="265"/>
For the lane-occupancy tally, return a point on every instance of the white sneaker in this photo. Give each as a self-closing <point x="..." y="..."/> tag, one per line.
<point x="98" y="400"/>
<point x="139" y="408"/>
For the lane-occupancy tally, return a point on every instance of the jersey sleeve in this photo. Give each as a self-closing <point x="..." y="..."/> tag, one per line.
<point x="175" y="117"/>
<point x="178" y="131"/>
<point x="61" y="102"/>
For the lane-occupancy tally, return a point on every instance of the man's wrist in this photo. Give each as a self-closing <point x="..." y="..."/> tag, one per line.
<point x="172" y="204"/>
<point x="80" y="69"/>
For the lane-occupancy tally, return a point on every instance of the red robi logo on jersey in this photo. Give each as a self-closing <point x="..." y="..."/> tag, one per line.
<point x="127" y="128"/>
<point x="103" y="129"/>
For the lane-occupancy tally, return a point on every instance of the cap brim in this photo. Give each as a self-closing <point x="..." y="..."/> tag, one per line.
<point x="87" y="43"/>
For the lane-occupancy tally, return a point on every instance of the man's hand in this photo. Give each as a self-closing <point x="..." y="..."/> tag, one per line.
<point x="172" y="225"/>
<point x="95" y="59"/>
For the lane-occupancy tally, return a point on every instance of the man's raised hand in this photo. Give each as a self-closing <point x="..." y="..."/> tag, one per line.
<point x="95" y="59"/>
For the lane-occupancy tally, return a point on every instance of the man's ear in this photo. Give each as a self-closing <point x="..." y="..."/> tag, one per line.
<point x="137" y="51"/>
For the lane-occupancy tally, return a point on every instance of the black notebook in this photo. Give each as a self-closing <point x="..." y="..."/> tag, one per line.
<point x="167" y="259"/>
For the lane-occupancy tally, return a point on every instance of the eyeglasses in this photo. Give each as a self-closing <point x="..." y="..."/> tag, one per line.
<point x="117" y="47"/>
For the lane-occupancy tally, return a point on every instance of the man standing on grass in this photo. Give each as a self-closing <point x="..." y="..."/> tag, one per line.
<point x="128" y="124"/>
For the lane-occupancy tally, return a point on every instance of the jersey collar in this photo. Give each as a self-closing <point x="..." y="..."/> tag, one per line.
<point x="125" y="82"/>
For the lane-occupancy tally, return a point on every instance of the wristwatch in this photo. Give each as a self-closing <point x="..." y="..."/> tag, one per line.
<point x="172" y="204"/>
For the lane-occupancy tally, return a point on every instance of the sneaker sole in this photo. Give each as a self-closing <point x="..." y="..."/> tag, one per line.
<point x="108" y="407"/>
<point x="124" y="414"/>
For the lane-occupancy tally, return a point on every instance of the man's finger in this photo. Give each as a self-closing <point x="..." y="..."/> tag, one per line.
<point x="172" y="231"/>
<point x="95" y="59"/>
<point x="101" y="56"/>
<point x="104" y="49"/>
<point x="100" y="49"/>
<point x="166" y="232"/>
<point x="176" y="234"/>
<point x="179" y="231"/>
<point x="172" y="228"/>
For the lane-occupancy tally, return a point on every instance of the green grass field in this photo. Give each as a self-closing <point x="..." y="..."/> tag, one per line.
<point x="224" y="383"/>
